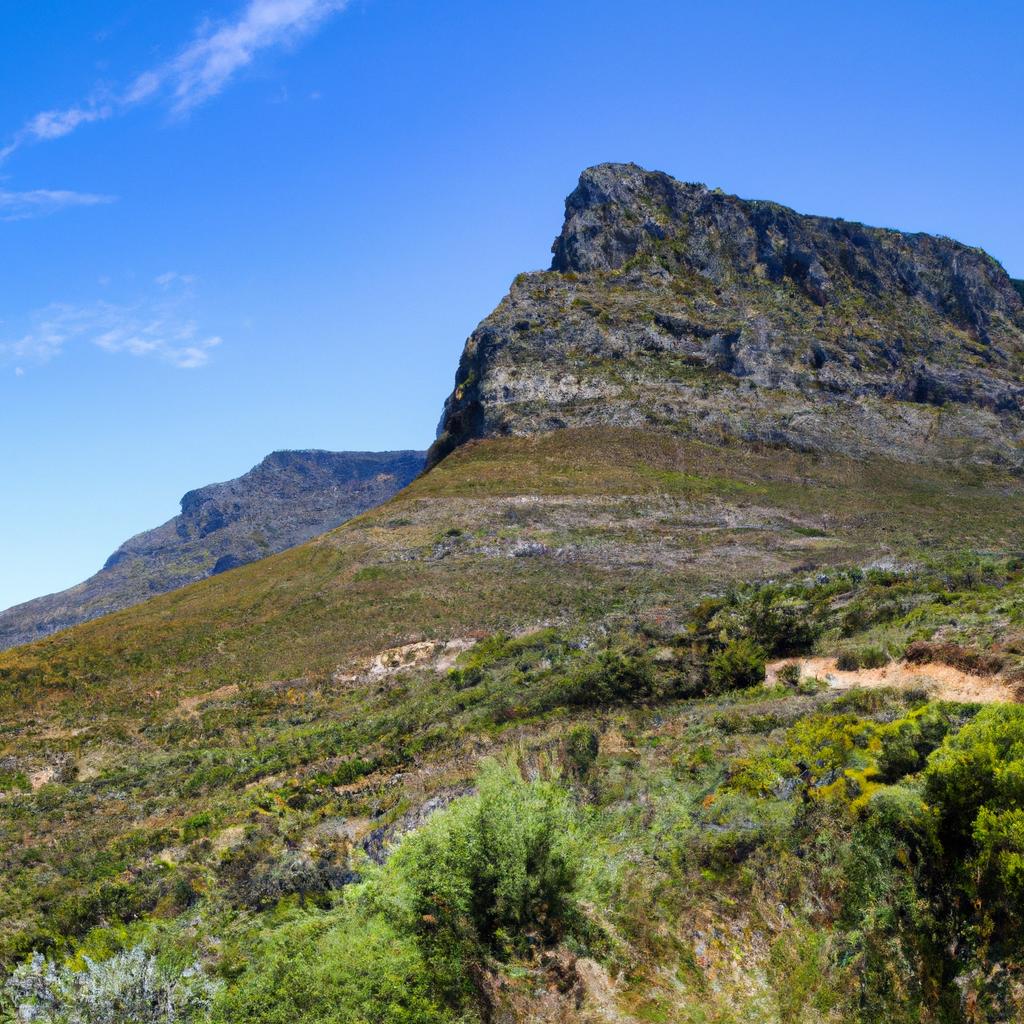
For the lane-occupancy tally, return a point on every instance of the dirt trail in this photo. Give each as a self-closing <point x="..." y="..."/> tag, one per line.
<point x="189" y="706"/>
<point x="942" y="681"/>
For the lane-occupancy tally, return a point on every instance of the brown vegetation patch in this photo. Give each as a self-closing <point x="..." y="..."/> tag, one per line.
<point x="982" y="663"/>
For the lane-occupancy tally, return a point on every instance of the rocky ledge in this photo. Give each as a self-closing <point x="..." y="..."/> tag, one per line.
<point x="675" y="306"/>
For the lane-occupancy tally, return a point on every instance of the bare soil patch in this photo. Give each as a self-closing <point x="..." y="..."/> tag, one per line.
<point x="944" y="682"/>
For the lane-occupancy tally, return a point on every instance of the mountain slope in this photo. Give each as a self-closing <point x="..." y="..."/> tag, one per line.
<point x="587" y="584"/>
<point x="290" y="497"/>
<point x="676" y="306"/>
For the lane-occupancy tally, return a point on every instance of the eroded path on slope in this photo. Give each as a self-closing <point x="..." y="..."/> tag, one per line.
<point x="943" y="682"/>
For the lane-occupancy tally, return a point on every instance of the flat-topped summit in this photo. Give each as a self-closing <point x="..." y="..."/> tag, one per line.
<point x="677" y="306"/>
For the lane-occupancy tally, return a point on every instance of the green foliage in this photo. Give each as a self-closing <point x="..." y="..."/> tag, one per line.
<point x="196" y="825"/>
<point x="612" y="676"/>
<point x="484" y="877"/>
<point x="981" y="766"/>
<point x="581" y="748"/>
<point x="908" y="741"/>
<point x="789" y="675"/>
<point x="132" y="986"/>
<point x="869" y="656"/>
<point x="976" y="782"/>
<point x="491" y="871"/>
<point x="738" y="665"/>
<point x="337" y="969"/>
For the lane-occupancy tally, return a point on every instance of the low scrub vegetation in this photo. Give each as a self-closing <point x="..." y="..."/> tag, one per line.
<point x="316" y="851"/>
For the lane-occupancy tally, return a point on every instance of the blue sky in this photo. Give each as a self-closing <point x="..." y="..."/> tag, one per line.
<point x="241" y="225"/>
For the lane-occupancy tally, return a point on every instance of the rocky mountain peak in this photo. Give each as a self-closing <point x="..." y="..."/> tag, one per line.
<point x="620" y="213"/>
<point x="677" y="306"/>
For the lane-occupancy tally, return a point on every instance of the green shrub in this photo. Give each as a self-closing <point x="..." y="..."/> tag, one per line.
<point x="610" y="677"/>
<point x="873" y="656"/>
<point x="738" y="665"/>
<point x="869" y="656"/>
<point x="581" y="749"/>
<point x="487" y="873"/>
<point x="334" y="970"/>
<point x="975" y="780"/>
<point x="195" y="826"/>
<point x="908" y="741"/>
<point x="781" y="623"/>
<point x="789" y="675"/>
<point x="982" y="765"/>
<point x="847" y="661"/>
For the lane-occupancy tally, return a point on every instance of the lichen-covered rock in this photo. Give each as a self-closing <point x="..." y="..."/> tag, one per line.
<point x="676" y="306"/>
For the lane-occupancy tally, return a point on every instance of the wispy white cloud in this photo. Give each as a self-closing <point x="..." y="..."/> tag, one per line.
<point x="41" y="201"/>
<point x="172" y="277"/>
<point x="199" y="71"/>
<point x="159" y="329"/>
<point x="53" y="124"/>
<point x="216" y="55"/>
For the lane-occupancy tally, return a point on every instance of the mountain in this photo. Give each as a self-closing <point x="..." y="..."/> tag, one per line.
<point x="681" y="687"/>
<point x="290" y="497"/>
<point x="676" y="306"/>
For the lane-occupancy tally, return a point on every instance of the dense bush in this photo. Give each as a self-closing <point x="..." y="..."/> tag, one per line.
<point x="493" y="871"/>
<point x="611" y="676"/>
<point x="779" y="621"/>
<point x="908" y="741"/>
<point x="869" y="656"/>
<point x="581" y="748"/>
<point x="976" y="782"/>
<point x="484" y="877"/>
<point x="334" y="970"/>
<point x="982" y="766"/>
<point x="129" y="987"/>
<point x="738" y="665"/>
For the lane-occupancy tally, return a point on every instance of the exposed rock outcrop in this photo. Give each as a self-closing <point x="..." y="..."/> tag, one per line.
<point x="676" y="306"/>
<point x="290" y="497"/>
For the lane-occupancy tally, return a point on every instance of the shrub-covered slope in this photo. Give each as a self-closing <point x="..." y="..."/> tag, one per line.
<point x="288" y="498"/>
<point x="207" y="773"/>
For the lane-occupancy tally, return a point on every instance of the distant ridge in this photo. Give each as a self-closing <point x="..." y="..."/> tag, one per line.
<point x="290" y="497"/>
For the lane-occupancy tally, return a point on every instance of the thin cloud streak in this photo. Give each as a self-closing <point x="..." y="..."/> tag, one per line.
<point x="156" y="329"/>
<point x="42" y="201"/>
<point x="205" y="67"/>
<point x="200" y="71"/>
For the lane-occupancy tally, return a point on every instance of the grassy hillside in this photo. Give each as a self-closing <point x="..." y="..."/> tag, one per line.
<point x="511" y="532"/>
<point x="208" y="773"/>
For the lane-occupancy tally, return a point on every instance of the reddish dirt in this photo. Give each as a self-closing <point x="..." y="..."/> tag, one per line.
<point x="944" y="682"/>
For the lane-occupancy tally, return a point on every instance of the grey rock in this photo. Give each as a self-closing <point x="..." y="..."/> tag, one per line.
<point x="675" y="306"/>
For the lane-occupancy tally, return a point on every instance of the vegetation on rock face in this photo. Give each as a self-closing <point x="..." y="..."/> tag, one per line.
<point x="683" y="308"/>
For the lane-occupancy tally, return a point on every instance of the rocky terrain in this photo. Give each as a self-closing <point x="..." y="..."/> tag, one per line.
<point x="288" y="498"/>
<point x="675" y="306"/>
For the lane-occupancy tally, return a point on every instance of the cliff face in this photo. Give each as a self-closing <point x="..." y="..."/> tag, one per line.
<point x="676" y="306"/>
<point x="287" y="499"/>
